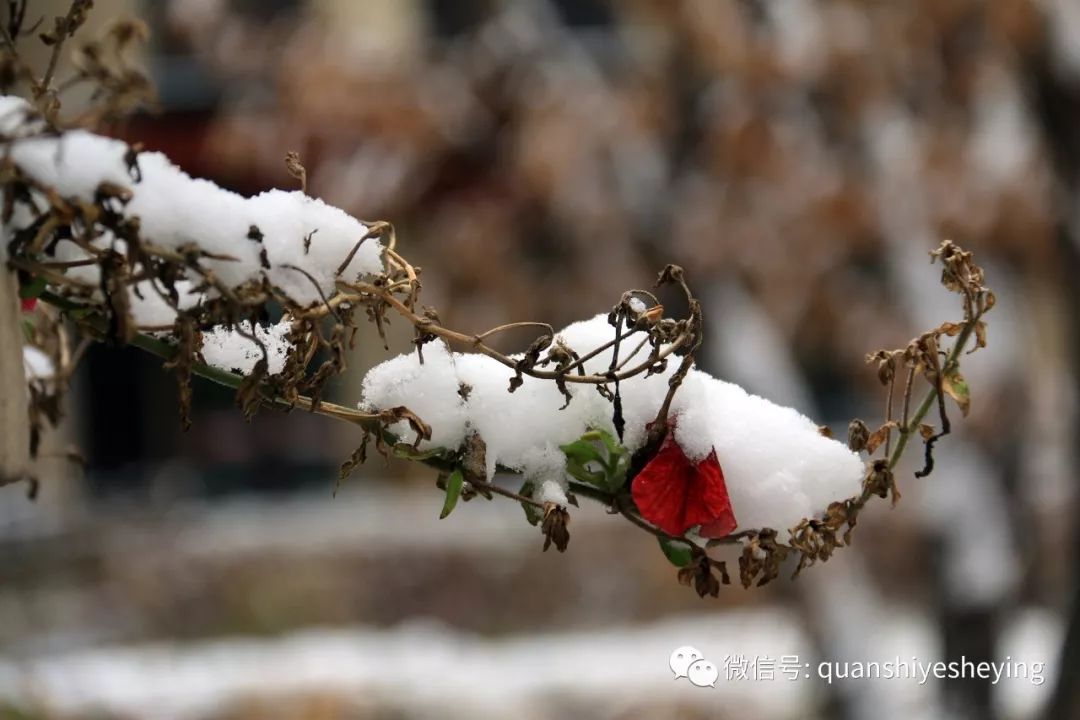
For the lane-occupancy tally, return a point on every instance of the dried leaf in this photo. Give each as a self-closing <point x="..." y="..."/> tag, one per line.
<point x="358" y="457"/>
<point x="858" y="435"/>
<point x="554" y="527"/>
<point x="296" y="168"/>
<point x="249" y="395"/>
<point x="879" y="436"/>
<point x="980" y="336"/>
<point x="954" y="385"/>
<point x="474" y="458"/>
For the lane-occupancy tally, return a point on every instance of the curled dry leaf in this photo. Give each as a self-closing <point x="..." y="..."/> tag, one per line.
<point x="554" y="527"/>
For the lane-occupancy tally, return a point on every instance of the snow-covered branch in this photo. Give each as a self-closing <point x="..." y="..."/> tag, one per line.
<point x="123" y="246"/>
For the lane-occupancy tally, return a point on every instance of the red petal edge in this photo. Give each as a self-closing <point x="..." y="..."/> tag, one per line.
<point x="715" y="497"/>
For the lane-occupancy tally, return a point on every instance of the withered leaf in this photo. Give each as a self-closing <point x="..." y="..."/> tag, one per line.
<point x="980" y="335"/>
<point x="249" y="395"/>
<point x="721" y="566"/>
<point x="670" y="274"/>
<point x="554" y="527"/>
<point x="296" y="168"/>
<point x="474" y="458"/>
<point x="699" y="575"/>
<point x="886" y="364"/>
<point x="950" y="328"/>
<point x="879" y="436"/>
<point x="954" y="385"/>
<point x="858" y="434"/>
<point x="358" y="457"/>
<point x="418" y="426"/>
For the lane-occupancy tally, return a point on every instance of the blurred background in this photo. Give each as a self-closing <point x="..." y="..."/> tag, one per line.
<point x="538" y="157"/>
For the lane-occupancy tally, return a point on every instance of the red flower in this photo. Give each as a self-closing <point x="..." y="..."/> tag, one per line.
<point x="675" y="494"/>
<point x="28" y="304"/>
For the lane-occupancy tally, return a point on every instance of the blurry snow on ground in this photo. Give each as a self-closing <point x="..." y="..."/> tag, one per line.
<point x="359" y="515"/>
<point x="428" y="670"/>
<point x="1034" y="636"/>
<point x="425" y="670"/>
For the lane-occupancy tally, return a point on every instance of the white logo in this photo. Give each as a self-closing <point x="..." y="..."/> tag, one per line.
<point x="703" y="673"/>
<point x="689" y="662"/>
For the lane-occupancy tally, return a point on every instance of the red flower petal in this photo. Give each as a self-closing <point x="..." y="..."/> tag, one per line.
<point x="28" y="304"/>
<point x="675" y="494"/>
<point x="660" y="489"/>
<point x="713" y="498"/>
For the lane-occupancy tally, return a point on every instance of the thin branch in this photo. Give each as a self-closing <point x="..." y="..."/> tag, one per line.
<point x="58" y="46"/>
<point x="932" y="396"/>
<point x="515" y="326"/>
<point x="499" y="490"/>
<point x="472" y="341"/>
<point x="889" y="409"/>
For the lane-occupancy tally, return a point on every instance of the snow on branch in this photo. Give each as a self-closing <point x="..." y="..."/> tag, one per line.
<point x="295" y="242"/>
<point x="777" y="465"/>
<point x="122" y="246"/>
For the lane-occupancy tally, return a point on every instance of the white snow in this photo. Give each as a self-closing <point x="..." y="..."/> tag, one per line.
<point x="405" y="668"/>
<point x="779" y="469"/>
<point x="149" y="308"/>
<point x="551" y="491"/>
<point x="302" y="239"/>
<point x="422" y="669"/>
<point x="39" y="366"/>
<point x="432" y="389"/>
<point x="229" y="349"/>
<point x="175" y="209"/>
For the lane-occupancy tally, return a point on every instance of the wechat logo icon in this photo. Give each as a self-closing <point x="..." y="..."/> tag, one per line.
<point x="689" y="662"/>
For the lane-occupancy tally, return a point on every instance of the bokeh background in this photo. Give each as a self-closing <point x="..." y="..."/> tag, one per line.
<point x="537" y="158"/>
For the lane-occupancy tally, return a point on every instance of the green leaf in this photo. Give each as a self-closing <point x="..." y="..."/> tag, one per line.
<point x="582" y="451"/>
<point x="597" y="459"/>
<point x="614" y="449"/>
<point x="580" y="472"/>
<point x="532" y="513"/>
<point x="617" y="475"/>
<point x="453" y="492"/>
<point x="32" y="289"/>
<point x="677" y="552"/>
